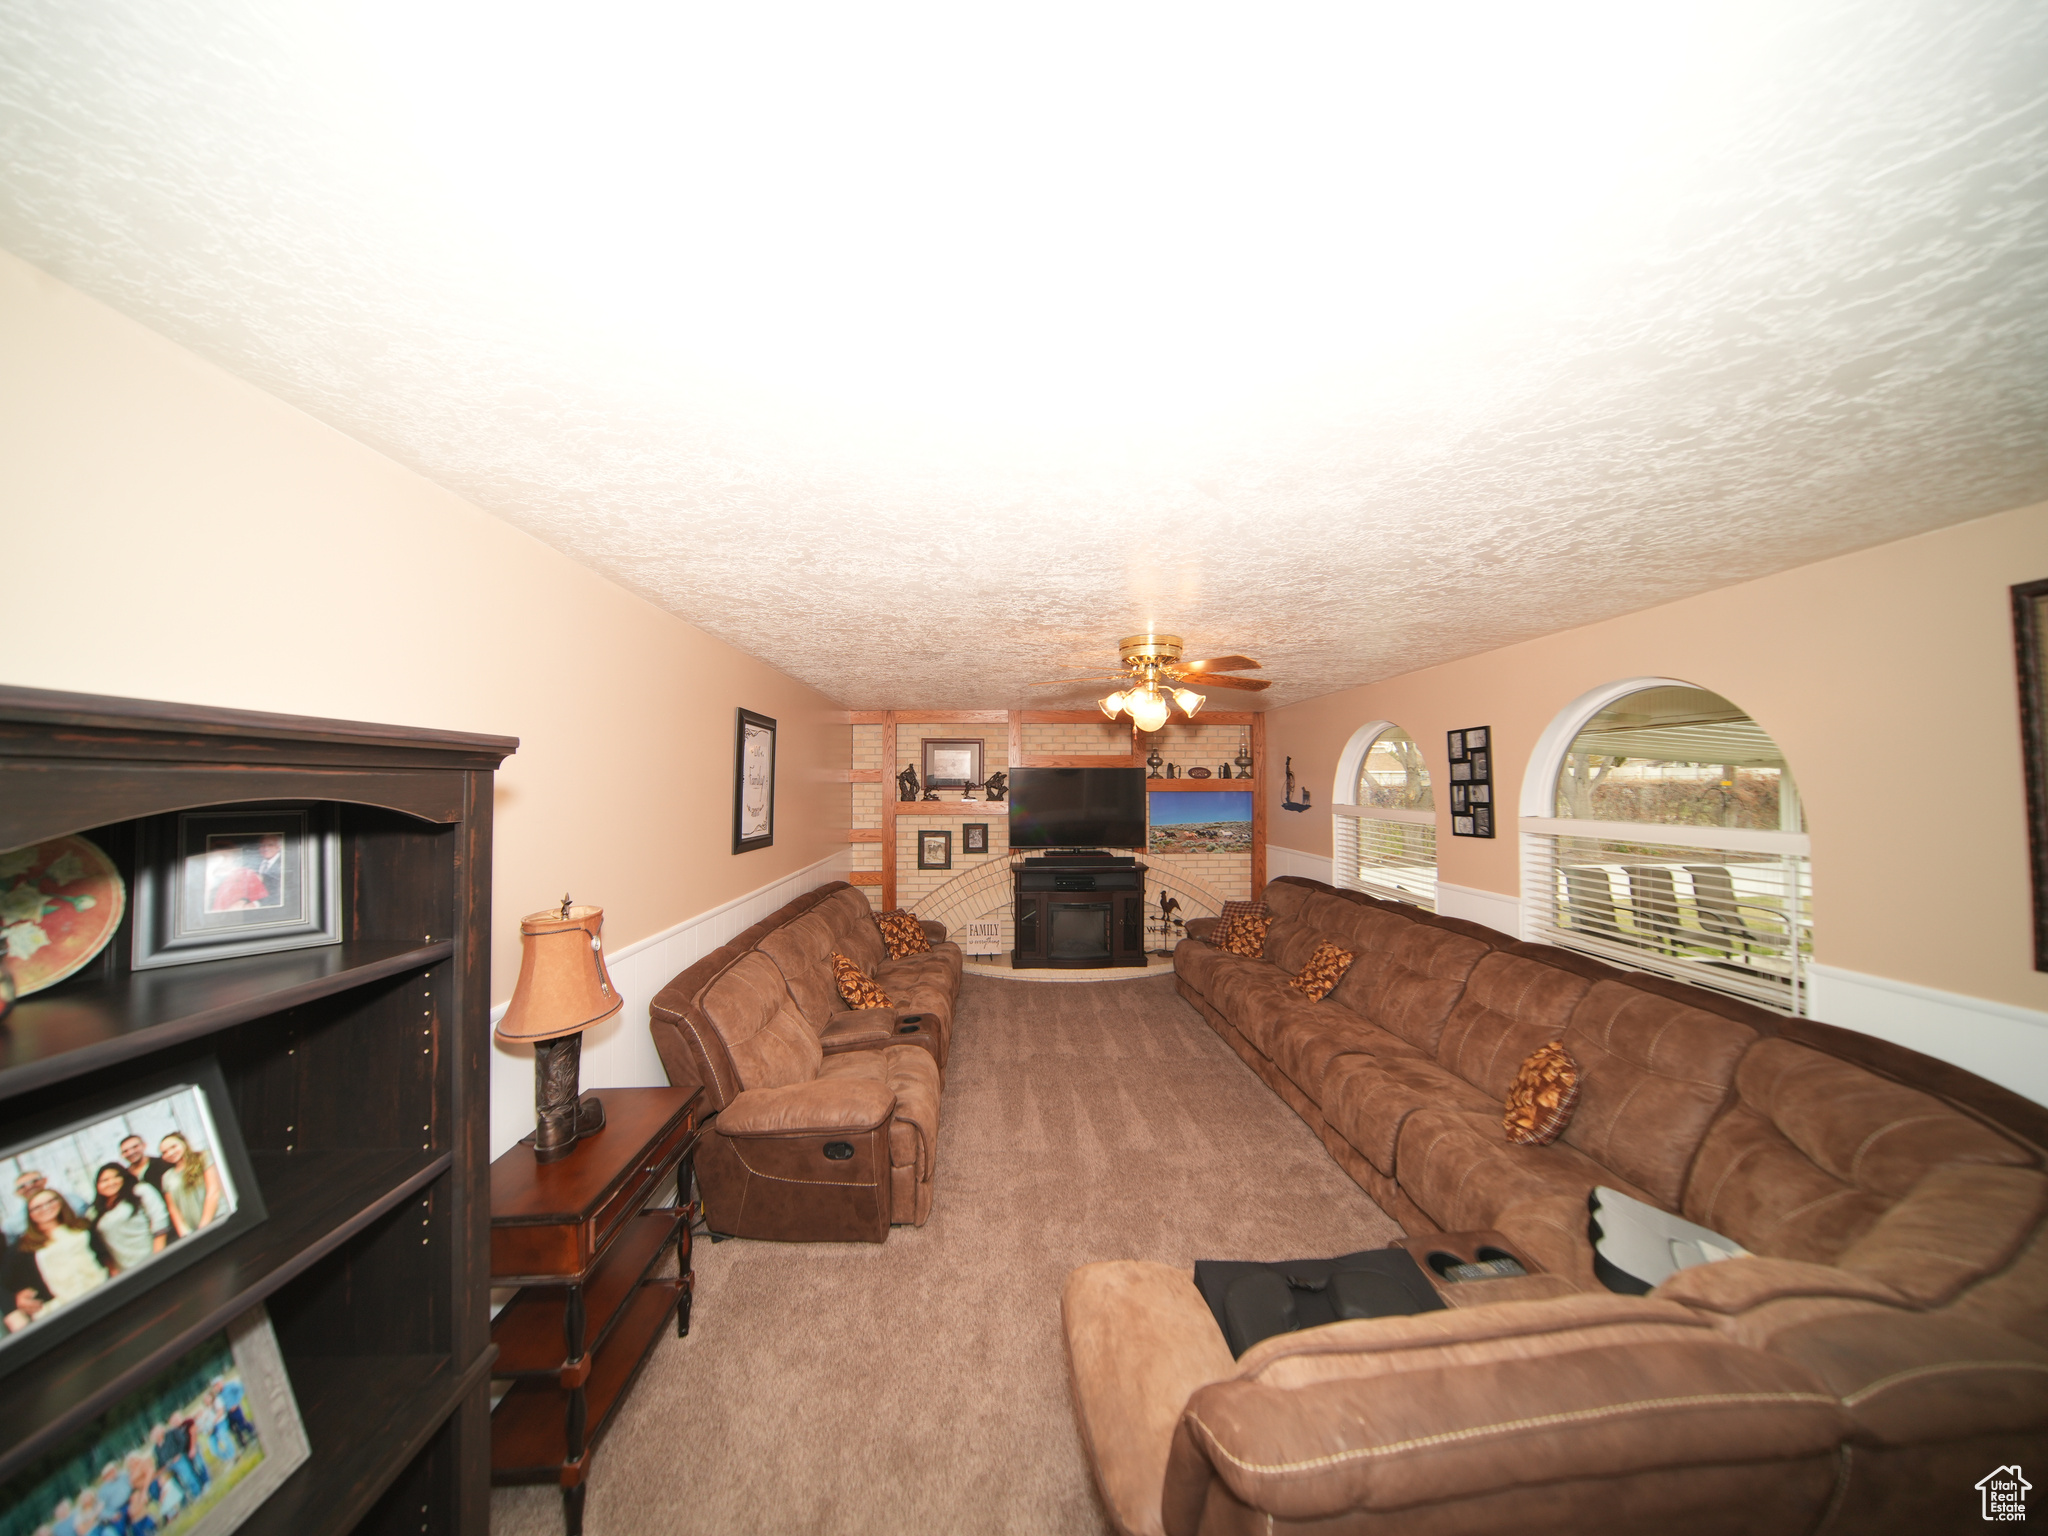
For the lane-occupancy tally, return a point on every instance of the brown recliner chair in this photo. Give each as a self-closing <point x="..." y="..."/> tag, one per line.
<point x="811" y="1140"/>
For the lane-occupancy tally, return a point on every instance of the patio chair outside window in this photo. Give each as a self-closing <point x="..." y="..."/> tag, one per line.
<point x="1677" y="844"/>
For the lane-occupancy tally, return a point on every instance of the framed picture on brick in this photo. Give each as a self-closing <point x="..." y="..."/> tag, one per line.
<point x="974" y="837"/>
<point x="934" y="848"/>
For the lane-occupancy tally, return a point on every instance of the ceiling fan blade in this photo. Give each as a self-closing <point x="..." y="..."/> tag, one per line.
<point x="1253" y="684"/>
<point x="1222" y="664"/>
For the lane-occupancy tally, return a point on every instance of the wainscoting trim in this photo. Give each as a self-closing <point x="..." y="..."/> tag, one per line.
<point x="2006" y="1044"/>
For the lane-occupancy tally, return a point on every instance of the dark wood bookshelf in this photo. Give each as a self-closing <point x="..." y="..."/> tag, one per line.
<point x="357" y="1073"/>
<point x="48" y="1039"/>
<point x="317" y="1201"/>
<point x="404" y="1399"/>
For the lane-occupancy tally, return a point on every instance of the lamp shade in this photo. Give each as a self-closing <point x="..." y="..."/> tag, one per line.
<point x="1112" y="706"/>
<point x="563" y="986"/>
<point x="1189" y="701"/>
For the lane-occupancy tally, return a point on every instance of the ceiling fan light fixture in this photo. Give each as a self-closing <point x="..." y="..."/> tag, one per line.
<point x="1189" y="701"/>
<point x="1111" y="706"/>
<point x="1148" y="709"/>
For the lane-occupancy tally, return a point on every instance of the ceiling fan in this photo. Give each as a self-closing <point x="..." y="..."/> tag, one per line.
<point x="1158" y="680"/>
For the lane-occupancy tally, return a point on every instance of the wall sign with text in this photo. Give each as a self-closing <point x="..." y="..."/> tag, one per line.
<point x="1472" y="782"/>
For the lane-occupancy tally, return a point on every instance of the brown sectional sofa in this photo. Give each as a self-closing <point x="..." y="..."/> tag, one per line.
<point x="1885" y="1345"/>
<point x="824" y="1120"/>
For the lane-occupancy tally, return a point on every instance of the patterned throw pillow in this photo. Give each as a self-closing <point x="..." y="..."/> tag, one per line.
<point x="1244" y="934"/>
<point x="902" y="934"/>
<point x="1234" y="909"/>
<point x="1324" y="969"/>
<point x="1543" y="1096"/>
<point x="855" y="985"/>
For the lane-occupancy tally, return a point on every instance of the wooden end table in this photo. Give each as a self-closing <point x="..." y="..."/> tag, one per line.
<point x="577" y="1238"/>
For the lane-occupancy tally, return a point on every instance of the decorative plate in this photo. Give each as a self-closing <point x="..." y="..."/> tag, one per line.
<point x="60" y="902"/>
<point x="1198" y="773"/>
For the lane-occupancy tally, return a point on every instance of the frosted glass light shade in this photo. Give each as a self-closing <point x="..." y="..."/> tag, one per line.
<point x="1111" y="706"/>
<point x="1189" y="701"/>
<point x="1148" y="710"/>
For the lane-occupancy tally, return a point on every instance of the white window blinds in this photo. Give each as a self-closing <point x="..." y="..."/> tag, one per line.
<point x="1723" y="908"/>
<point x="1386" y="853"/>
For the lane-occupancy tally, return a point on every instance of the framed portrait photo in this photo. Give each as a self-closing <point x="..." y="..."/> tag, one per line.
<point x="753" y="783"/>
<point x="111" y="1194"/>
<point x="193" y="1452"/>
<point x="974" y="837"/>
<point x="953" y="764"/>
<point x="236" y="880"/>
<point x="934" y="848"/>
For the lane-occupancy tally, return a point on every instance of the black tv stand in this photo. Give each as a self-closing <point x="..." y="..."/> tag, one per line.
<point x="1078" y="910"/>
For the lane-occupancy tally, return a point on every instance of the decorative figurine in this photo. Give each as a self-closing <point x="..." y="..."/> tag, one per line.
<point x="1287" y="803"/>
<point x="1168" y="921"/>
<point x="995" y="787"/>
<point x="1152" y="762"/>
<point x="906" y="784"/>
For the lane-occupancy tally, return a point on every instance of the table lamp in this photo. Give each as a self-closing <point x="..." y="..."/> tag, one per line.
<point x="563" y="989"/>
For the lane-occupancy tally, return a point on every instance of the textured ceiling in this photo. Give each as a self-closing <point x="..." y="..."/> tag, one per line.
<point x="921" y="361"/>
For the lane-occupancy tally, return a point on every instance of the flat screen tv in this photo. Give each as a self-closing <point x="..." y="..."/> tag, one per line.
<point x="1077" y="808"/>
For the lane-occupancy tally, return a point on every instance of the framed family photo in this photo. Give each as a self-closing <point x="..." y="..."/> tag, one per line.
<point x="236" y="880"/>
<point x="753" y="783"/>
<point x="110" y="1195"/>
<point x="193" y="1453"/>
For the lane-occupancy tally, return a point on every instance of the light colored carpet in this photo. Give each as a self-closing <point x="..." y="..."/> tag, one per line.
<point x="920" y="1385"/>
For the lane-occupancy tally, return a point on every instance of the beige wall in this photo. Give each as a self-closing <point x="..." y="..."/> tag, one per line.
<point x="1888" y="678"/>
<point x="174" y="533"/>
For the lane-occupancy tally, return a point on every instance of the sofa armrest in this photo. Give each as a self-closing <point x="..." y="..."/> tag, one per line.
<point x="1202" y="927"/>
<point x="870" y="1029"/>
<point x="820" y="1107"/>
<point x="1575" y="1408"/>
<point x="933" y="929"/>
<point x="1140" y="1339"/>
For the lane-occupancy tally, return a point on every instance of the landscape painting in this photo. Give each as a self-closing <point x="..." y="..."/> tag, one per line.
<point x="1200" y="821"/>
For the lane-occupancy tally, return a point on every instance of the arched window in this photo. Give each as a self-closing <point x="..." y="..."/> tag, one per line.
<point x="1383" y="821"/>
<point x="1661" y="829"/>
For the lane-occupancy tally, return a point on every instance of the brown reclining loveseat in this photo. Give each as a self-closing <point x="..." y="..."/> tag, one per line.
<point x="1883" y="1347"/>
<point x="825" y="1119"/>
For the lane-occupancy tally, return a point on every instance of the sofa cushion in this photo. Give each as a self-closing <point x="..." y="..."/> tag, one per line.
<point x="1510" y="1006"/>
<point x="1197" y="961"/>
<point x="1816" y="1150"/>
<point x="770" y="1043"/>
<point x="1285" y="897"/>
<point x="852" y="921"/>
<point x="902" y="935"/>
<point x="1412" y="977"/>
<point x="1323" y="971"/>
<point x="1458" y="1167"/>
<point x="1653" y="1074"/>
<point x="1290" y="942"/>
<point x="855" y="985"/>
<point x="1305" y="1038"/>
<point x="802" y="951"/>
<point x="1540" y="1103"/>
<point x="1367" y="1099"/>
<point x="1244" y="935"/>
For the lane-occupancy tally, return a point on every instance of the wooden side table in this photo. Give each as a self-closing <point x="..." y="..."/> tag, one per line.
<point x="576" y="1237"/>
